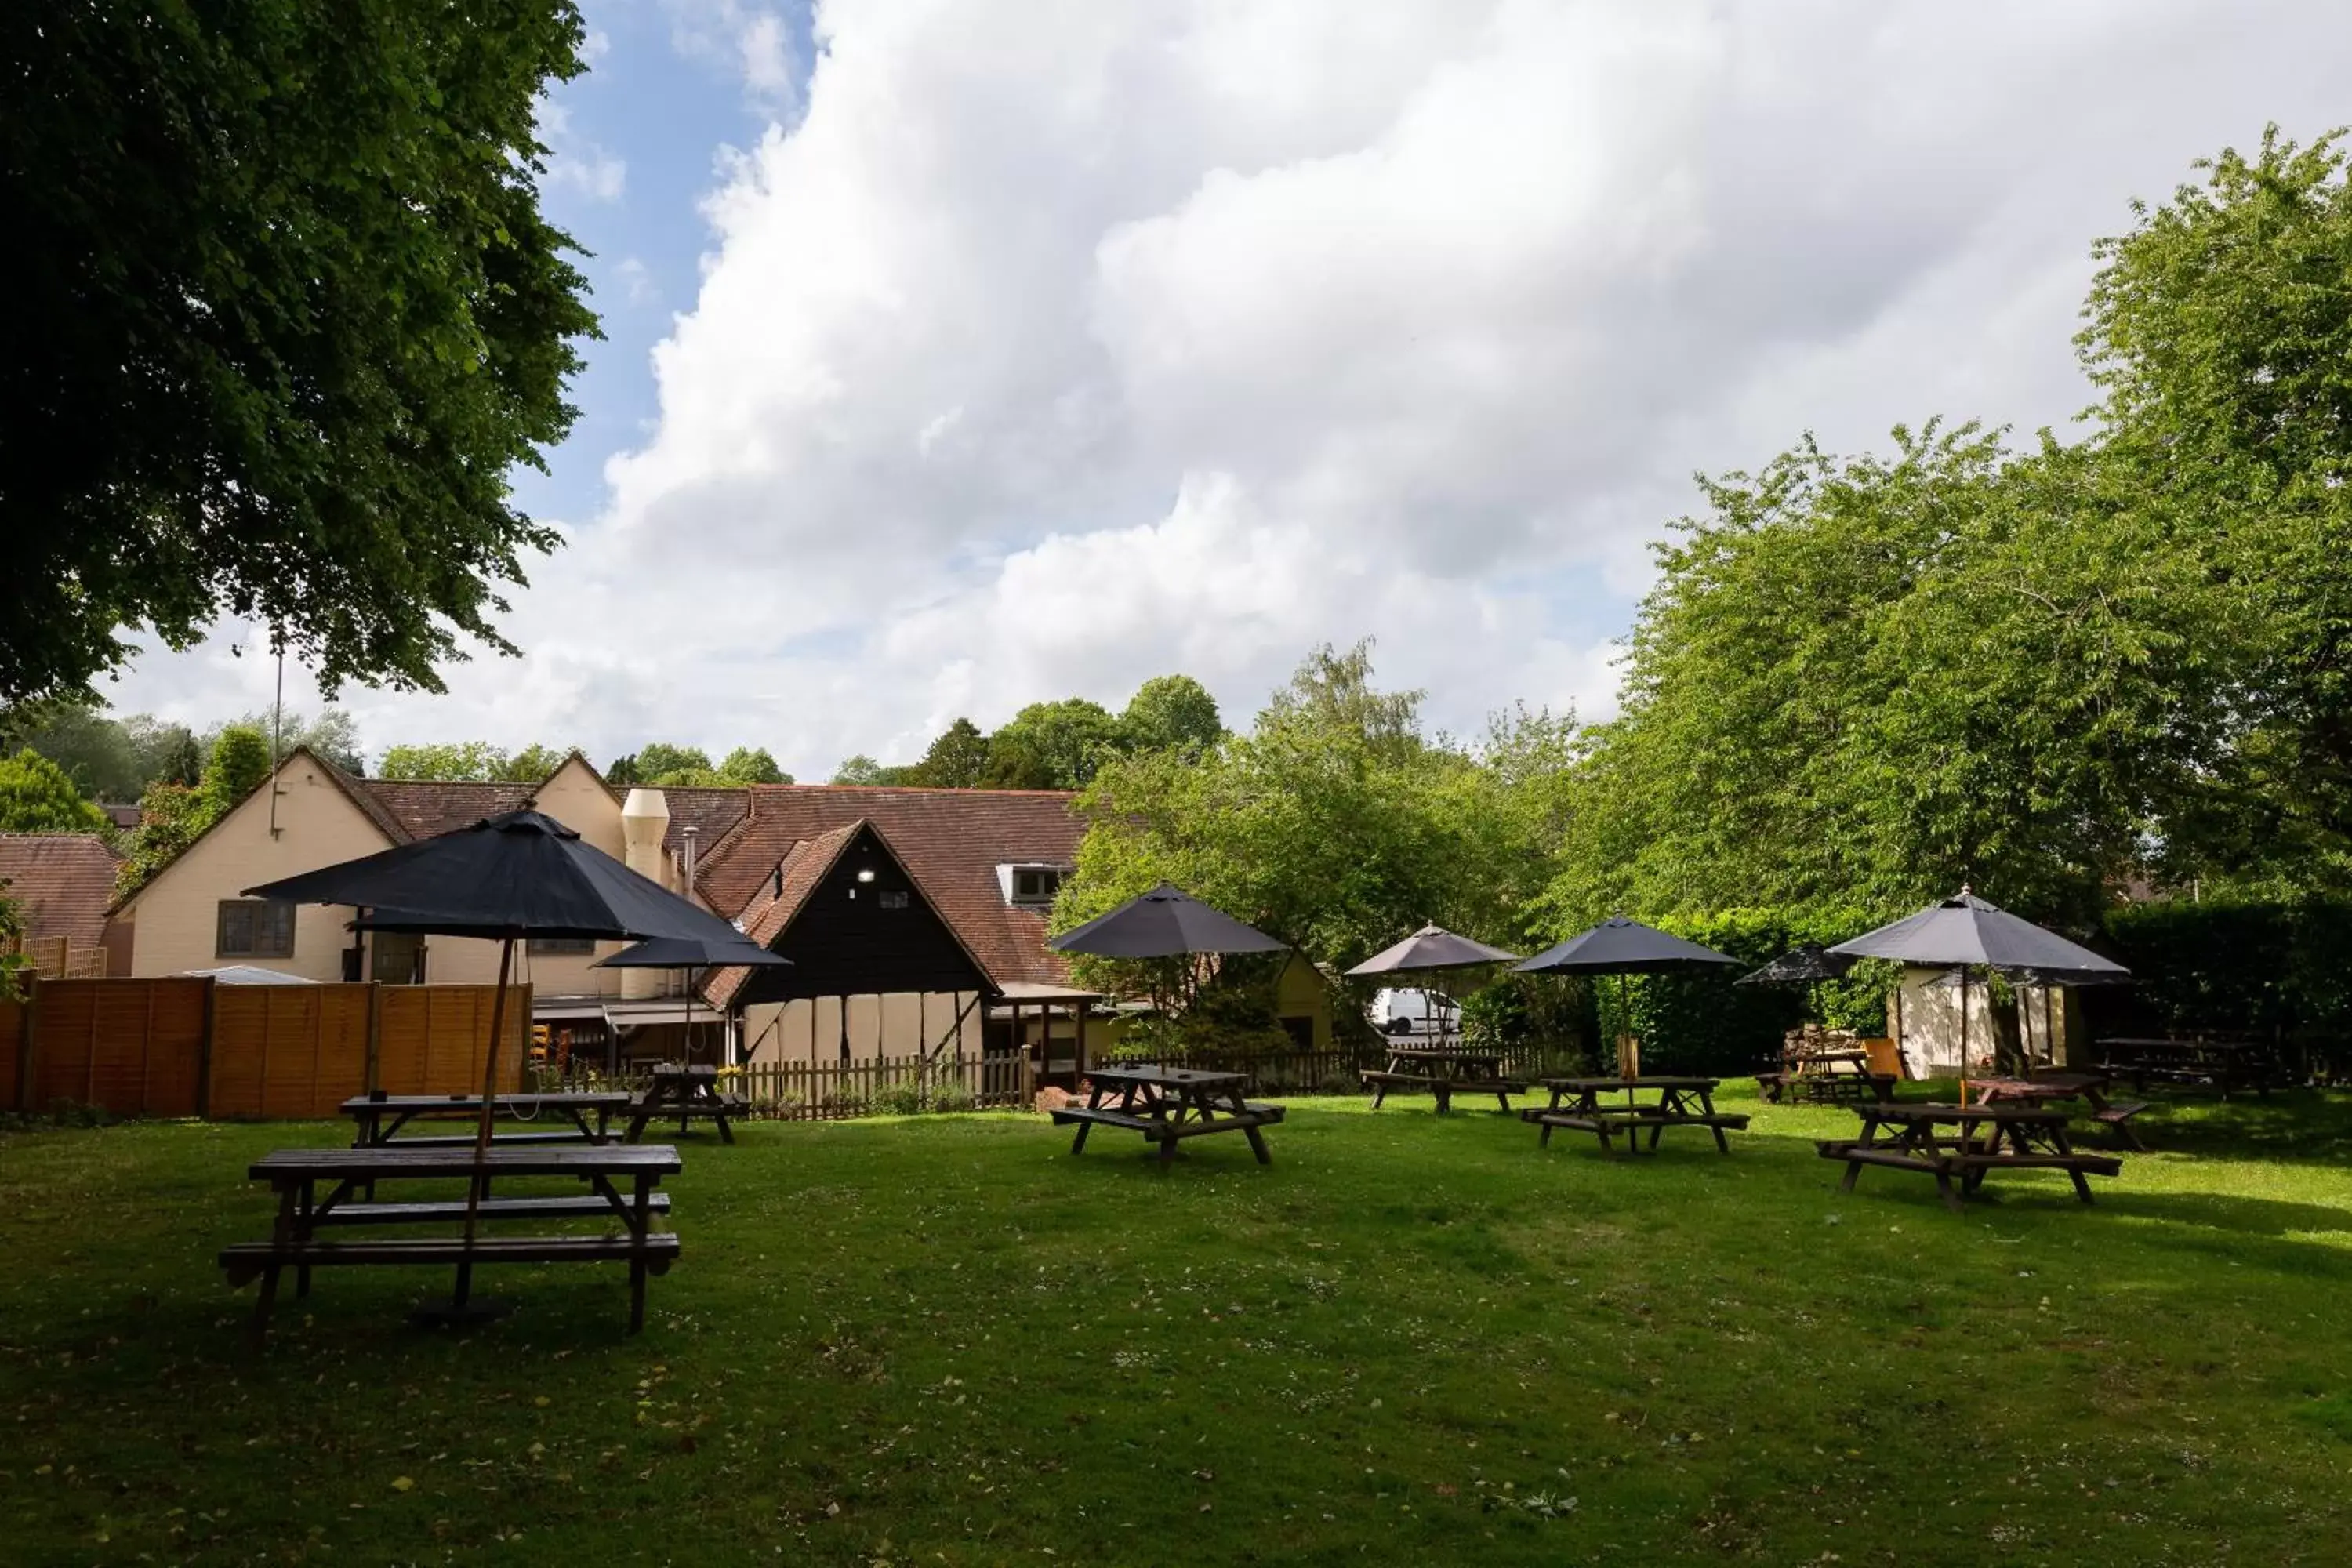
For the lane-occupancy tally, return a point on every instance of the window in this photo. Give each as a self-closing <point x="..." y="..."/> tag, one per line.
<point x="561" y="946"/>
<point x="891" y="897"/>
<point x="1035" y="884"/>
<point x="254" y="928"/>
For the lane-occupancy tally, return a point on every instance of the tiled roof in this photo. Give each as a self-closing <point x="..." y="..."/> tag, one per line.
<point x="713" y="811"/>
<point x="64" y="880"/>
<point x="950" y="840"/>
<point x="425" y="808"/>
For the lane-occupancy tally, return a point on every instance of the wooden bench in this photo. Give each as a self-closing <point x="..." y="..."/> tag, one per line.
<point x="251" y="1261"/>
<point x="1985" y="1136"/>
<point x="1440" y="1088"/>
<point x="453" y="1210"/>
<point x="1160" y="1131"/>
<point x="1608" y="1124"/>
<point x="718" y="1108"/>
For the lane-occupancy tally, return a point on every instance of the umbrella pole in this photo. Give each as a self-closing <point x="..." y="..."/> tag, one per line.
<point x="482" y="1128"/>
<point x="1964" y="1034"/>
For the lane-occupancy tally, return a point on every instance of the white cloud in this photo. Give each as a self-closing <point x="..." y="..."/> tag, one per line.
<point x="577" y="162"/>
<point x="747" y="38"/>
<point x="1051" y="348"/>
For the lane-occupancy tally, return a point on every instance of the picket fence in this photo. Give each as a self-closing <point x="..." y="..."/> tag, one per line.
<point x="833" y="1091"/>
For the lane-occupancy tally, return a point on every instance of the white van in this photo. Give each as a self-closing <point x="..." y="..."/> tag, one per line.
<point x="1420" y="1013"/>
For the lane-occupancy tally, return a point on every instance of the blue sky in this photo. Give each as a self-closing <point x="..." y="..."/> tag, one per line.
<point x="965" y="354"/>
<point x="664" y="99"/>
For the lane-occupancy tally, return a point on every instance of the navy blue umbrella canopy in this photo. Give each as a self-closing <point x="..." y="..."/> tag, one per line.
<point x="1621" y="946"/>
<point x="693" y="952"/>
<point x="1166" y="922"/>
<point x="520" y="874"/>
<point x="1433" y="947"/>
<point x="1802" y="964"/>
<point x="1966" y="930"/>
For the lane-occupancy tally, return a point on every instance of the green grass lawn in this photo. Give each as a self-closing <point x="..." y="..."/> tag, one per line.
<point x="1410" y="1340"/>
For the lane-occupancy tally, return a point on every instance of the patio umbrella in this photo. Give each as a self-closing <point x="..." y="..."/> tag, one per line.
<point x="690" y="954"/>
<point x="1166" y="922"/>
<point x="1967" y="933"/>
<point x="1431" y="948"/>
<point x="1807" y="964"/>
<point x="505" y="878"/>
<point x="1621" y="947"/>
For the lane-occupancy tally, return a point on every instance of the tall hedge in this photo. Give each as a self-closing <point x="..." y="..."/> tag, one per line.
<point x="2281" y="967"/>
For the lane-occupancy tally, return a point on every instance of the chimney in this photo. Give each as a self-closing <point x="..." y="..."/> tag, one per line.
<point x="644" y="822"/>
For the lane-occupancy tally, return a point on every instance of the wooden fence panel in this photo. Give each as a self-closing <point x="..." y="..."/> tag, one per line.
<point x="12" y="1056"/>
<point x="430" y="1038"/>
<point x="295" y="1052"/>
<point x="134" y="1047"/>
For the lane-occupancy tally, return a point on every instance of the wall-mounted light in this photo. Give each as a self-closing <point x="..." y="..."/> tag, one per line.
<point x="866" y="875"/>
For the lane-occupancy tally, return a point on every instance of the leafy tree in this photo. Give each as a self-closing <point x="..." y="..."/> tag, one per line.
<point x="92" y="749"/>
<point x="1051" y="745"/>
<point x="171" y="817"/>
<point x="238" y="762"/>
<point x="1170" y="712"/>
<point x="623" y="771"/>
<point x="332" y="736"/>
<point x="2220" y="333"/>
<point x="457" y="761"/>
<point x="166" y="751"/>
<point x="284" y="316"/>
<point x="37" y="797"/>
<point x="859" y="769"/>
<point x="662" y="758"/>
<point x="1874" y="679"/>
<point x="752" y="766"/>
<point x="958" y="759"/>
<point x="532" y="764"/>
<point x="1334" y="824"/>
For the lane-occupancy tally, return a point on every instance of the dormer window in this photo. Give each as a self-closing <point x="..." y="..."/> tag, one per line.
<point x="1030" y="886"/>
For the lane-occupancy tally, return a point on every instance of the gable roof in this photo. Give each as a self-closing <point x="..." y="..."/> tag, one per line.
<point x="64" y="880"/>
<point x="810" y="866"/>
<point x="949" y="840"/>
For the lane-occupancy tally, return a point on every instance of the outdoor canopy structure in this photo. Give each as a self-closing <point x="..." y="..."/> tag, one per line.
<point x="505" y="878"/>
<point x="1620" y="946"/>
<point x="1966" y="934"/>
<point x="1431" y="948"/>
<point x="692" y="953"/>
<point x="1166" y="922"/>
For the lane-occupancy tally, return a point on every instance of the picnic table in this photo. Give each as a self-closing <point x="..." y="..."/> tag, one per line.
<point x="2224" y="1065"/>
<point x="1835" y="1076"/>
<point x="1656" y="1102"/>
<point x="1168" y="1105"/>
<point x="2090" y="1087"/>
<point x="1444" y="1071"/>
<point x="381" y="1117"/>
<point x="1960" y="1145"/>
<point x="297" y="1176"/>
<point x="688" y="1092"/>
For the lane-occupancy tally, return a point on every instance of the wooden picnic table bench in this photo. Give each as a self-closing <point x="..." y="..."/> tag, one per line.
<point x="1167" y="1105"/>
<point x="1983" y="1139"/>
<point x="1444" y="1071"/>
<point x="1587" y="1105"/>
<point x="2223" y="1065"/>
<point x="2040" y="1088"/>
<point x="381" y="1117"/>
<point x="298" y="1174"/>
<point x="688" y="1093"/>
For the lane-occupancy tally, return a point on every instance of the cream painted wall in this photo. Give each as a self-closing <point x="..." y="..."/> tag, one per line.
<point x="1931" y="1024"/>
<point x="1301" y="993"/>
<point x="174" y="919"/>
<point x="899" y="1025"/>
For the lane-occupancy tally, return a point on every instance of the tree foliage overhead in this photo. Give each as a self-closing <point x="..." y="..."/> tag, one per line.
<point x="2044" y="670"/>
<point x="1335" y="824"/>
<point x="283" y="317"/>
<point x="37" y="797"/>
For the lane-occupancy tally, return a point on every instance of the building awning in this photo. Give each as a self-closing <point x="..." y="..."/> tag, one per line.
<point x="1038" y="991"/>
